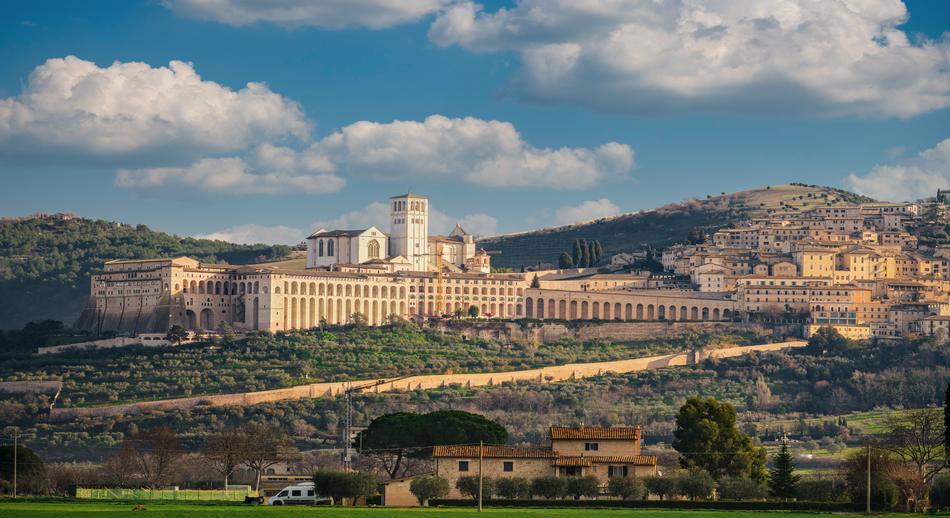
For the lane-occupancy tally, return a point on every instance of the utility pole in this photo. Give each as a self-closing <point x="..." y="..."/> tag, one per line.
<point x="869" y="480"/>
<point x="347" y="458"/>
<point x="16" y="436"/>
<point x="481" y="447"/>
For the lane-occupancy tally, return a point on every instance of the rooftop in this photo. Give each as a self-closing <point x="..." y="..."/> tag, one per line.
<point x="595" y="432"/>
<point x="494" y="451"/>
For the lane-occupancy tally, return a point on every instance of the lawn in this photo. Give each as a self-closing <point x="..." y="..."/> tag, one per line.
<point x="45" y="509"/>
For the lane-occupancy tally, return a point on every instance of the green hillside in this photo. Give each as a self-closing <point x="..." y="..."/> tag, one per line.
<point x="45" y="261"/>
<point x="662" y="226"/>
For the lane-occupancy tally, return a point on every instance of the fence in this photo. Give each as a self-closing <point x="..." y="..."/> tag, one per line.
<point x="236" y="495"/>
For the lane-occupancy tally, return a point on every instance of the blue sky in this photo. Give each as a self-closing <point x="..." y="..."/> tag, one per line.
<point x="512" y="117"/>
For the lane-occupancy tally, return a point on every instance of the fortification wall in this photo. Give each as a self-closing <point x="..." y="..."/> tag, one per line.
<point x="422" y="382"/>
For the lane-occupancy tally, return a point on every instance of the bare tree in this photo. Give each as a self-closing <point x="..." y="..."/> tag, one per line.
<point x="224" y="452"/>
<point x="916" y="438"/>
<point x="149" y="458"/>
<point x="265" y="446"/>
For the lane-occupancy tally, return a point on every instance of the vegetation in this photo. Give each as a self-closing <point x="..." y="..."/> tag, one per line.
<point x="340" y="485"/>
<point x="783" y="482"/>
<point x="44" y="258"/>
<point x="427" y="487"/>
<point x="707" y="437"/>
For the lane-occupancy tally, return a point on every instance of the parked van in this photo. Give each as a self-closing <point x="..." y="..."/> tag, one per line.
<point x="297" y="494"/>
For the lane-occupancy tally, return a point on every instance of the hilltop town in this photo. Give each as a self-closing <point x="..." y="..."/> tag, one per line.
<point x="855" y="267"/>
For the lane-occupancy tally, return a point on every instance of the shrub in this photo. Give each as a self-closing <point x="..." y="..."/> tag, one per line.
<point x="549" y="487"/>
<point x="822" y="490"/>
<point x="339" y="484"/>
<point x="662" y="487"/>
<point x="940" y="492"/>
<point x="468" y="486"/>
<point x="512" y="488"/>
<point x="695" y="484"/>
<point x="740" y="488"/>
<point x="626" y="488"/>
<point x="588" y="486"/>
<point x="428" y="487"/>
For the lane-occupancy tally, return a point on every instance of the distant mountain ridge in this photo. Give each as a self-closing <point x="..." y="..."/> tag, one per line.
<point x="45" y="260"/>
<point x="659" y="227"/>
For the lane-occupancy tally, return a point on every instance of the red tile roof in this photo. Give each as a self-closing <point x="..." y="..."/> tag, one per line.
<point x="494" y="451"/>
<point x="595" y="432"/>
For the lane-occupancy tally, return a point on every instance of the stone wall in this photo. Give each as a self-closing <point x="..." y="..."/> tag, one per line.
<point x="421" y="382"/>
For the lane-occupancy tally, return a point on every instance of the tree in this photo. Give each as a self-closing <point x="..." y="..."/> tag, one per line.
<point x="946" y="423"/>
<point x="150" y="457"/>
<point x="739" y="488"/>
<point x="176" y="334"/>
<point x="512" y="488"/>
<point x="264" y="446"/>
<point x="695" y="484"/>
<point x="30" y="468"/>
<point x="564" y="261"/>
<point x="585" y="255"/>
<point x="916" y="438"/>
<point x="884" y="493"/>
<point x="390" y="438"/>
<point x="662" y="487"/>
<point x="426" y="488"/>
<point x="626" y="488"/>
<point x="577" y="255"/>
<point x="473" y="311"/>
<point x="358" y="319"/>
<point x="469" y="484"/>
<point x="549" y="487"/>
<point x="783" y="481"/>
<point x="587" y="485"/>
<point x="597" y="252"/>
<point x="696" y="236"/>
<point x="828" y="341"/>
<point x="535" y="283"/>
<point x="707" y="437"/>
<point x="224" y="452"/>
<point x="339" y="485"/>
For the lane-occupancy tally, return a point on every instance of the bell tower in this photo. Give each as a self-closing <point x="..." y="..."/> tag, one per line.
<point x="409" y="229"/>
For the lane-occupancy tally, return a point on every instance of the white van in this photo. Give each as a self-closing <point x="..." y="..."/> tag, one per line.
<point x="297" y="494"/>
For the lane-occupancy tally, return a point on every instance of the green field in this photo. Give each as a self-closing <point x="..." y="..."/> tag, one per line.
<point x="42" y="509"/>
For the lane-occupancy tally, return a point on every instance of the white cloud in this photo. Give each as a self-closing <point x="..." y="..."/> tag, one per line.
<point x="752" y="56"/>
<point x="74" y="108"/>
<point x="590" y="209"/>
<point x="916" y="178"/>
<point x="487" y="153"/>
<point x="232" y="174"/>
<point x="335" y="14"/>
<point x="377" y="214"/>
<point x="253" y="234"/>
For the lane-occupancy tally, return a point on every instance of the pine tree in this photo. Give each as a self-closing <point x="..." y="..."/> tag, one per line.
<point x="782" y="478"/>
<point x="565" y="261"/>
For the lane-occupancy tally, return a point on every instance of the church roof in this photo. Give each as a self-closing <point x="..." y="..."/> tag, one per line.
<point x="409" y="195"/>
<point x="343" y="233"/>
<point x="458" y="231"/>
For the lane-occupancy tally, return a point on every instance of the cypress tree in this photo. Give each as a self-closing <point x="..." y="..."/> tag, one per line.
<point x="946" y="422"/>
<point x="576" y="254"/>
<point x="598" y="252"/>
<point x="535" y="283"/>
<point x="585" y="255"/>
<point x="782" y="478"/>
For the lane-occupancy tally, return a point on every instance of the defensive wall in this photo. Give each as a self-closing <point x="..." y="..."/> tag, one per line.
<point x="428" y="381"/>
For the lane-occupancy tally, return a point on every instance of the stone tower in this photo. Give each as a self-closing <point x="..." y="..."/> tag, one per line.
<point x="409" y="229"/>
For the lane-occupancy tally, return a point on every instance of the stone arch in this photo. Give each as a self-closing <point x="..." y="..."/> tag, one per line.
<point x="639" y="311"/>
<point x="584" y="310"/>
<point x="540" y="308"/>
<point x="402" y="293"/>
<point x="562" y="309"/>
<point x="705" y="313"/>
<point x="617" y="311"/>
<point x="293" y="313"/>
<point x="683" y="313"/>
<point x="348" y="316"/>
<point x="552" y="306"/>
<point x="383" y="311"/>
<point x="330" y="247"/>
<point x="595" y="310"/>
<point x="511" y="309"/>
<point x="372" y="249"/>
<point x="402" y="309"/>
<point x="256" y="315"/>
<point x="628" y="311"/>
<point x="313" y="288"/>
<point x="607" y="308"/>
<point x="484" y="309"/>
<point x="375" y="291"/>
<point x="573" y="314"/>
<point x="217" y="287"/>
<point x="529" y="307"/>
<point x="257" y="287"/>
<point x="661" y="312"/>
<point x="518" y="309"/>
<point x="650" y="312"/>
<point x="715" y="314"/>
<point x="191" y="320"/>
<point x="207" y="319"/>
<point x="726" y="314"/>
<point x="340" y="316"/>
<point x="694" y="313"/>
<point x="349" y="290"/>
<point x="194" y="287"/>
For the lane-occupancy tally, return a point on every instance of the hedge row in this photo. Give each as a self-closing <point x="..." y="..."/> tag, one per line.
<point x="657" y="504"/>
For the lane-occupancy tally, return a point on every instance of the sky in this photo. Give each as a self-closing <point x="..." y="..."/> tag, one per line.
<point x="262" y="121"/>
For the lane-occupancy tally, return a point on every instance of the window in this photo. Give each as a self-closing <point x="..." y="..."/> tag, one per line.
<point x="463" y="465"/>
<point x="330" y="248"/>
<point x="591" y="446"/>
<point x="282" y="493"/>
<point x="309" y="492"/>
<point x="617" y="471"/>
<point x="320" y="248"/>
<point x="295" y="492"/>
<point x="508" y="466"/>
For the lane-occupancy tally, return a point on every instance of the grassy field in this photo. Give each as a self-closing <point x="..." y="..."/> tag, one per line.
<point x="42" y="509"/>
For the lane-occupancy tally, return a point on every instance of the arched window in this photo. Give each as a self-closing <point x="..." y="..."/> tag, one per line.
<point x="373" y="249"/>
<point x="330" y="248"/>
<point x="320" y="248"/>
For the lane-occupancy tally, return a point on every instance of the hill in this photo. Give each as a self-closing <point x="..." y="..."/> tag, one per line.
<point x="662" y="226"/>
<point x="46" y="260"/>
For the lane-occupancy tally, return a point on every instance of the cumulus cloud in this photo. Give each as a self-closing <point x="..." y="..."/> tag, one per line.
<point x="231" y="174"/>
<point x="915" y="178"/>
<point x="335" y="14"/>
<point x="74" y="108"/>
<point x="590" y="209"/>
<point x="751" y="56"/>
<point x="377" y="214"/>
<point x="253" y="234"/>
<point x="486" y="153"/>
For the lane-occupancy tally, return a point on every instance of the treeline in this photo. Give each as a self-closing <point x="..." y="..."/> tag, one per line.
<point x="584" y="254"/>
<point x="44" y="258"/>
